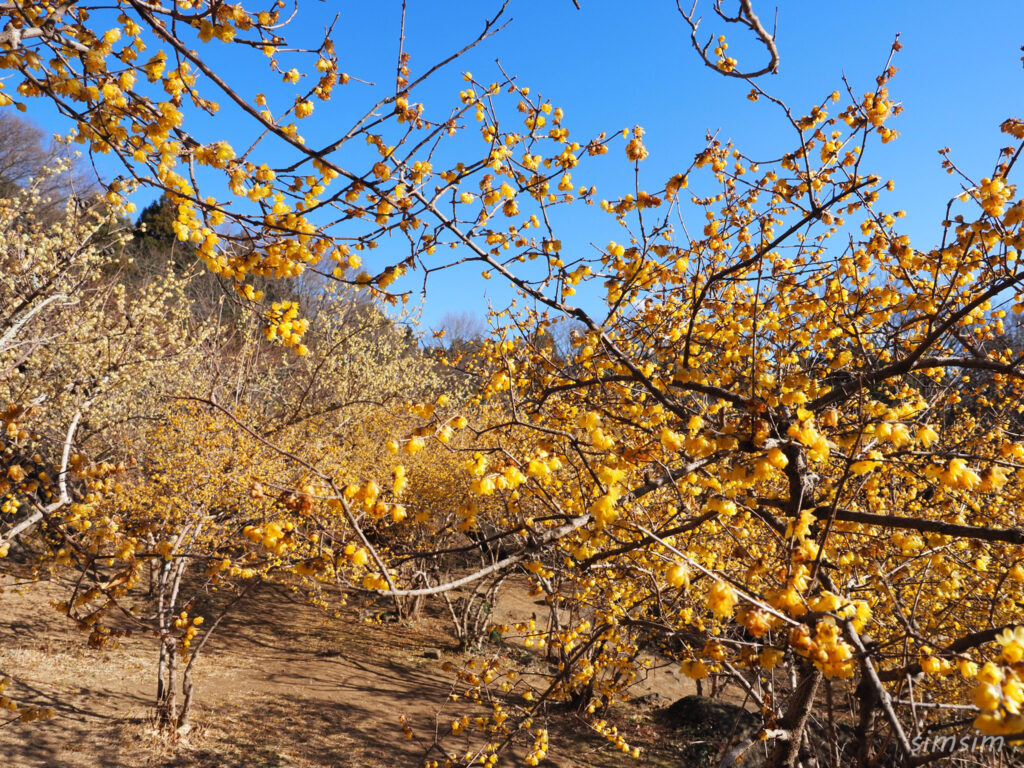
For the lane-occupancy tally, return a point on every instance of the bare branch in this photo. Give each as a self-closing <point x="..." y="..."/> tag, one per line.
<point x="745" y="17"/>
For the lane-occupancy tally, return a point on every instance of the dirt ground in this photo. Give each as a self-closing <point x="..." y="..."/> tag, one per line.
<point x="305" y="691"/>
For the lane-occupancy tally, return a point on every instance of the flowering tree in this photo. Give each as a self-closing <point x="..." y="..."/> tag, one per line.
<point x="769" y="450"/>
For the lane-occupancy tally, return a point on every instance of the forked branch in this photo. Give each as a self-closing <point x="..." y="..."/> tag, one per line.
<point x="746" y="17"/>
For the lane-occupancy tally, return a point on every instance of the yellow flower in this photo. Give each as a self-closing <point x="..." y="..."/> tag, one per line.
<point x="483" y="486"/>
<point x="777" y="458"/>
<point x="987" y="696"/>
<point x="635" y="149"/>
<point x="990" y="673"/>
<point x="722" y="600"/>
<point x="695" y="670"/>
<point x="678" y="575"/>
<point x="537" y="468"/>
<point x="770" y="658"/>
<point x="1013" y="644"/>
<point x="154" y="68"/>
<point x="604" y="510"/>
<point x="968" y="669"/>
<point x="401" y="481"/>
<point x="671" y="440"/>
<point x="374" y="581"/>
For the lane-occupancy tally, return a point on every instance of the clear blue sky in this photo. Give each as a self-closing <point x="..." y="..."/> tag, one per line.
<point x="615" y="64"/>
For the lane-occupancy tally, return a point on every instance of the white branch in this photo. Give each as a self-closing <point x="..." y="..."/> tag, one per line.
<point x="542" y="541"/>
<point x="7" y="339"/>
<point x="63" y="500"/>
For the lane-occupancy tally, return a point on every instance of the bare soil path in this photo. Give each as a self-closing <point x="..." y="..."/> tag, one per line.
<point x="282" y="685"/>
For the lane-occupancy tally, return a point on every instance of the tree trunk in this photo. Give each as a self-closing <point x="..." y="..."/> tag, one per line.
<point x="186" y="698"/>
<point x="868" y="699"/>
<point x="785" y="753"/>
<point x="167" y="688"/>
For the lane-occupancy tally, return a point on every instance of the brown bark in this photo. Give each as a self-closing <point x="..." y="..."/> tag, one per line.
<point x="793" y="722"/>
<point x="868" y="703"/>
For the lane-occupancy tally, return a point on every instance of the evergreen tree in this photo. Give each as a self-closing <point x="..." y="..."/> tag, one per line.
<point x="155" y="238"/>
